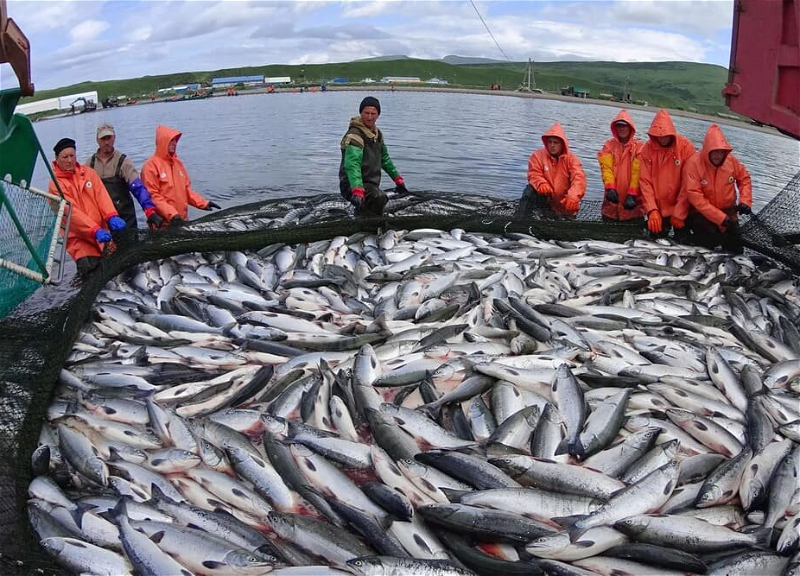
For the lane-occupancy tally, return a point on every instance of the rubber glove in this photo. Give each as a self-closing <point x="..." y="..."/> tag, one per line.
<point x="727" y="223"/>
<point x="102" y="235"/>
<point x="357" y="197"/>
<point x="744" y="209"/>
<point x="211" y="205"/>
<point x="400" y="185"/>
<point x="677" y="222"/>
<point x="612" y="195"/>
<point x="630" y="202"/>
<point x="571" y="204"/>
<point x="154" y="219"/>
<point x="116" y="223"/>
<point x="654" y="221"/>
<point x="176" y="221"/>
<point x="545" y="189"/>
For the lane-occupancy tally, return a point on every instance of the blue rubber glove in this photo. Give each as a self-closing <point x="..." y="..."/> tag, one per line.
<point x="116" y="223"/>
<point x="142" y="195"/>
<point x="102" y="235"/>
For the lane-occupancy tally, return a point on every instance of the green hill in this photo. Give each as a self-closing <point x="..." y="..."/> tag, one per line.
<point x="682" y="85"/>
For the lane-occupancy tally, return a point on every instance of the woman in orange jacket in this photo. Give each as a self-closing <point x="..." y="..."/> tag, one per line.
<point x="555" y="174"/>
<point x="619" y="168"/>
<point x="92" y="213"/>
<point x="661" y="172"/>
<point x="166" y="178"/>
<point x="712" y="178"/>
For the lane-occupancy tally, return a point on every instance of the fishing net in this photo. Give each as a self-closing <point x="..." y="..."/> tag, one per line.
<point x="36" y="339"/>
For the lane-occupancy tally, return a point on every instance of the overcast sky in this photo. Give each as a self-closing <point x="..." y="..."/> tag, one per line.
<point x="80" y="40"/>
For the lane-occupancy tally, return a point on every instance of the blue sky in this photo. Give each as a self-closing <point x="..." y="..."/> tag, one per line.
<point x="80" y="40"/>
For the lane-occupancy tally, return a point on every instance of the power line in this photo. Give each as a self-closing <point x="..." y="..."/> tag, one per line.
<point x="489" y="31"/>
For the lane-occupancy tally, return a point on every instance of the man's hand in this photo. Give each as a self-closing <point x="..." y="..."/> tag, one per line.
<point x="654" y="221"/>
<point x="176" y="221"/>
<point x="612" y="195"/>
<point x="727" y="223"/>
<point x="630" y="202"/>
<point x="211" y="205"/>
<point x="102" y="235"/>
<point x="154" y="219"/>
<point x="116" y="223"/>
<point x="677" y="222"/>
<point x="572" y="204"/>
<point x="545" y="189"/>
<point x="744" y="209"/>
<point x="400" y="185"/>
<point x="357" y="198"/>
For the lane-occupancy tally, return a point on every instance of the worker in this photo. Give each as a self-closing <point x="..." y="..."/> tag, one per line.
<point x="712" y="178"/>
<point x="619" y="168"/>
<point x="92" y="214"/>
<point x="166" y="178"/>
<point x="364" y="155"/>
<point x="121" y="179"/>
<point x="662" y="161"/>
<point x="555" y="176"/>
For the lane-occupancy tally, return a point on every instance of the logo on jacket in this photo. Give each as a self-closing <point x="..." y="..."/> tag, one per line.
<point x="677" y="161"/>
<point x="731" y="179"/>
<point x="546" y="168"/>
<point x="163" y="175"/>
<point x="180" y="173"/>
<point x="704" y="182"/>
<point x="88" y="184"/>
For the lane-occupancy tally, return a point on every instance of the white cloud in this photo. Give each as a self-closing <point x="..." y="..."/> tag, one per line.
<point x="88" y="30"/>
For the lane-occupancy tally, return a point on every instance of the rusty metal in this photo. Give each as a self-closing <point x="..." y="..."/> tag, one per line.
<point x="16" y="50"/>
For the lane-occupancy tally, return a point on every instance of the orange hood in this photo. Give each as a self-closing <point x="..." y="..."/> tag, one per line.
<point x="558" y="131"/>
<point x="662" y="126"/>
<point x="164" y="135"/>
<point x="625" y="117"/>
<point x="715" y="140"/>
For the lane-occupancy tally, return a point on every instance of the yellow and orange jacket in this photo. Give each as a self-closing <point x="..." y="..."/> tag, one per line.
<point x="90" y="208"/>
<point x="564" y="174"/>
<point x="166" y="178"/>
<point x="619" y="168"/>
<point x="710" y="189"/>
<point x="661" y="169"/>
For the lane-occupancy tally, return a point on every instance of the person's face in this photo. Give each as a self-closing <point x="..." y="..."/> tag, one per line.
<point x="66" y="160"/>
<point x="369" y="115"/>
<point x="172" y="146"/>
<point x="664" y="141"/>
<point x="623" y="132"/>
<point x="554" y="145"/>
<point x="106" y="144"/>
<point x="716" y="157"/>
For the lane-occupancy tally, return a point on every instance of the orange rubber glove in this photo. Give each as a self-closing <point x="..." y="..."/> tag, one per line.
<point x="571" y="204"/>
<point x="654" y="221"/>
<point x="545" y="190"/>
<point x="677" y="222"/>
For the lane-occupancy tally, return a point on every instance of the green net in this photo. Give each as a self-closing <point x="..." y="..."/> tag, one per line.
<point x="36" y="339"/>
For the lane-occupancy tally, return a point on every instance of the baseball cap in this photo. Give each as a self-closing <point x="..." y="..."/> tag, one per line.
<point x="105" y="130"/>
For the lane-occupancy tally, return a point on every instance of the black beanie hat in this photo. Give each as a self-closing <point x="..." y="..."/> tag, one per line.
<point x="63" y="144"/>
<point x="370" y="101"/>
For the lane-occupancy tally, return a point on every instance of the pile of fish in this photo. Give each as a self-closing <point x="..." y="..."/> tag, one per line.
<point x="430" y="402"/>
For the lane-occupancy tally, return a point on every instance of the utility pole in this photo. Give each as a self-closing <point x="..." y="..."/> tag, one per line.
<point x="528" y="82"/>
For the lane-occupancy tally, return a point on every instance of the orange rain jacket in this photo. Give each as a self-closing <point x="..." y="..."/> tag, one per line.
<point x="619" y="167"/>
<point x="90" y="208"/>
<point x="711" y="189"/>
<point x="661" y="169"/>
<point x="564" y="174"/>
<point x="166" y="178"/>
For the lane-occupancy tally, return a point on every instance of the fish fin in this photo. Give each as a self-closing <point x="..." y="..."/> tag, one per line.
<point x="763" y="537"/>
<point x="561" y="448"/>
<point x="157" y="494"/>
<point x="568" y="521"/>
<point x="454" y="496"/>
<point x="576" y="449"/>
<point x="213" y="564"/>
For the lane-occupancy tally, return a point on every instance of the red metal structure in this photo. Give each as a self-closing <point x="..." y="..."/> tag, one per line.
<point x="764" y="74"/>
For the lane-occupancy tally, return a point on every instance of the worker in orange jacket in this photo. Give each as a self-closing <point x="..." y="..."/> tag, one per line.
<point x="555" y="175"/>
<point x="166" y="178"/>
<point x="712" y="178"/>
<point x="619" y="168"/>
<point x="662" y="161"/>
<point x="93" y="216"/>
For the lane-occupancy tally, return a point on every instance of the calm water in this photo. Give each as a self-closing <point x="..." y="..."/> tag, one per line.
<point x="255" y="147"/>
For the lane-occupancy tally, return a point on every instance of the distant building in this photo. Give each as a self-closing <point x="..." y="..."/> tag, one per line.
<point x="38" y="106"/>
<point x="436" y="81"/>
<point x="186" y="88"/>
<point x="400" y="79"/>
<point x="230" y="81"/>
<point x="275" y="80"/>
<point x="368" y="81"/>
<point x="339" y="80"/>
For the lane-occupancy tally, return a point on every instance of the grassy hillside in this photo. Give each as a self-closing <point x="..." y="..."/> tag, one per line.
<point x="681" y="85"/>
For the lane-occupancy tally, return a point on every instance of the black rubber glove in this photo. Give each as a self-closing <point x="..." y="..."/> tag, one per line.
<point x="629" y="203"/>
<point x="211" y="205"/>
<point x="401" y="189"/>
<point x="612" y="196"/>
<point x="176" y="221"/>
<point x="744" y="209"/>
<point x="726" y="223"/>
<point x="155" y="221"/>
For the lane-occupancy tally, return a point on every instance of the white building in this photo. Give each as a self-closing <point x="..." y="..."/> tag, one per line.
<point x="436" y="81"/>
<point x="277" y="80"/>
<point x="368" y="81"/>
<point x="39" y="106"/>
<point x="400" y="79"/>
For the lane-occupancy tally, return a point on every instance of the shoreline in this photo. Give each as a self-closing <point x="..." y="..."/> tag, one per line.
<point x="482" y="91"/>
